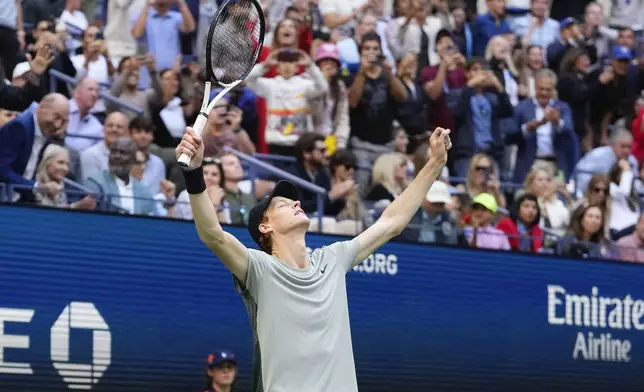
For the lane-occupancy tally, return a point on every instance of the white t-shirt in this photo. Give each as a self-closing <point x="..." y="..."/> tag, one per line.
<point x="341" y="8"/>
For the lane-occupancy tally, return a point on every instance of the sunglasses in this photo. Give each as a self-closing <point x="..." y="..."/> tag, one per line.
<point x="482" y="168"/>
<point x="212" y="160"/>
<point x="600" y="190"/>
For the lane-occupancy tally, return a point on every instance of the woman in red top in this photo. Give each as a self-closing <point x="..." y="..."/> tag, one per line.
<point x="638" y="131"/>
<point x="522" y="227"/>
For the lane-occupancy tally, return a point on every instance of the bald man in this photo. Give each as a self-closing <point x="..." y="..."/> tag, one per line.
<point x="84" y="129"/>
<point x="23" y="140"/>
<point x="95" y="158"/>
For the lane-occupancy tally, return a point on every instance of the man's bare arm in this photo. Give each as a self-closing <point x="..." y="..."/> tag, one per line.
<point x="396" y="217"/>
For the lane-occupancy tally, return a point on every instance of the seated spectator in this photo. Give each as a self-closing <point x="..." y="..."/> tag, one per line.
<point x="84" y="128"/>
<point x="601" y="159"/>
<point x="19" y="98"/>
<point x="586" y="236"/>
<point x="331" y="112"/>
<point x="573" y="88"/>
<point x="75" y="20"/>
<point x="221" y="372"/>
<point x="116" y="189"/>
<point x="483" y="177"/>
<point x="20" y="74"/>
<point x="223" y="129"/>
<point x="142" y="134"/>
<point x="444" y="83"/>
<point x="95" y="158"/>
<point x="482" y="105"/>
<point x="412" y="112"/>
<point x="312" y="166"/>
<point x="631" y="247"/>
<point x="288" y="98"/>
<point x="389" y="178"/>
<point x="52" y="169"/>
<point x="23" y="139"/>
<point x="544" y="130"/>
<point x="6" y="116"/>
<point x="570" y="37"/>
<point x="167" y="112"/>
<point x="435" y="223"/>
<point x="555" y="214"/>
<point x="372" y="109"/>
<point x="95" y="62"/>
<point x="213" y="176"/>
<point x="522" y="226"/>
<point x="125" y="87"/>
<point x="536" y="28"/>
<point x="624" y="206"/>
<point x="532" y="64"/>
<point x="488" y="25"/>
<point x="238" y="201"/>
<point x="481" y="233"/>
<point x="167" y="191"/>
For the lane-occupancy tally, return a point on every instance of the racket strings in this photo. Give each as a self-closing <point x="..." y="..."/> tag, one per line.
<point x="235" y="41"/>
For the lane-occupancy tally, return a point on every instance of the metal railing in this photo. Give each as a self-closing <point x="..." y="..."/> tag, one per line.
<point x="55" y="75"/>
<point x="255" y="163"/>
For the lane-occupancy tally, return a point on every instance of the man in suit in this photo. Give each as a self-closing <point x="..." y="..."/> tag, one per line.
<point x="23" y="140"/>
<point x="116" y="189"/>
<point x="544" y="130"/>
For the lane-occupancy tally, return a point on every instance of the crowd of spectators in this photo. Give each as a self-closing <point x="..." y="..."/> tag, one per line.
<point x="544" y="100"/>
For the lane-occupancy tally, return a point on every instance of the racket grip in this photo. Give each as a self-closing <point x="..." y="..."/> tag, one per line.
<point x="200" y="123"/>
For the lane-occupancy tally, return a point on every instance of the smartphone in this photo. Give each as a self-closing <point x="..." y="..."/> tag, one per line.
<point x="379" y="59"/>
<point x="486" y="175"/>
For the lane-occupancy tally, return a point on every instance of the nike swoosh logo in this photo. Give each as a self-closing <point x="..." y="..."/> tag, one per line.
<point x="323" y="269"/>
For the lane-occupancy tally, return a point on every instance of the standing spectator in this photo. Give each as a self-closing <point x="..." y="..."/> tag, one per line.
<point x="596" y="32"/>
<point x="626" y="38"/>
<point x="168" y="113"/>
<point x="53" y="169"/>
<point x="331" y="112"/>
<point x="498" y="54"/>
<point x="74" y="20"/>
<point x="222" y="371"/>
<point x="586" y="237"/>
<point x="536" y="28"/>
<point x="142" y="134"/>
<point x="435" y="223"/>
<point x="626" y="13"/>
<point x="119" y="38"/>
<point x="482" y="105"/>
<point x="12" y="35"/>
<point x="624" y="206"/>
<point x="35" y="11"/>
<point x="555" y="215"/>
<point x="61" y="61"/>
<point x="532" y="63"/>
<point x="389" y="178"/>
<point x="573" y="89"/>
<point x="95" y="159"/>
<point x="214" y="179"/>
<point x="481" y="233"/>
<point x="412" y="112"/>
<point x="488" y="25"/>
<point x="418" y="33"/>
<point x="23" y="140"/>
<point x="117" y="190"/>
<point x="601" y="159"/>
<point x="483" y="177"/>
<point x="461" y="29"/>
<point x="341" y="14"/>
<point x="631" y="248"/>
<point x="444" y="83"/>
<point x="238" y="201"/>
<point x="544" y="130"/>
<point x="349" y="48"/>
<point x="84" y="129"/>
<point x="125" y="87"/>
<point x="19" y="98"/>
<point x="288" y="97"/>
<point x="223" y="129"/>
<point x="312" y="166"/>
<point x="371" y="103"/>
<point x="160" y="28"/>
<point x="571" y="37"/>
<point x="522" y="227"/>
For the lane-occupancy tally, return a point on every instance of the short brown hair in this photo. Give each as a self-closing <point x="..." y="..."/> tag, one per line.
<point x="265" y="239"/>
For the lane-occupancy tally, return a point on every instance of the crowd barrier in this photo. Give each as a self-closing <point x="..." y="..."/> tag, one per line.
<point x="112" y="303"/>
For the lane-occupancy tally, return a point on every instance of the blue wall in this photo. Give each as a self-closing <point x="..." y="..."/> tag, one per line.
<point x="423" y="318"/>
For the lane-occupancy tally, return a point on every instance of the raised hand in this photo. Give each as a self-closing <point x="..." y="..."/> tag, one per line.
<point x="305" y="59"/>
<point x="42" y="61"/>
<point x="192" y="145"/>
<point x="439" y="144"/>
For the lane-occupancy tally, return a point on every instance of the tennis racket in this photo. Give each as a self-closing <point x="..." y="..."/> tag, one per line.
<point x="234" y="40"/>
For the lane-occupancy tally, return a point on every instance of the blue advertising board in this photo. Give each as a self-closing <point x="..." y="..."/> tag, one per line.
<point x="113" y="303"/>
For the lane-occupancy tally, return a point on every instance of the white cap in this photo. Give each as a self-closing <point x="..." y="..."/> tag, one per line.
<point x="439" y="193"/>
<point x="21" y="69"/>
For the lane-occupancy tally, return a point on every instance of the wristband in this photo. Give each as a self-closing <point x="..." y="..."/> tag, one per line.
<point x="195" y="183"/>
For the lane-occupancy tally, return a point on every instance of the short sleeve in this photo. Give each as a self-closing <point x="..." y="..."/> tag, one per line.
<point x="258" y="265"/>
<point x="345" y="252"/>
<point x="178" y="19"/>
<point x="328" y="7"/>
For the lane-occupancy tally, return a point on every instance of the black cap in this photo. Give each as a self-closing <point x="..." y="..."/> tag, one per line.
<point x="282" y="189"/>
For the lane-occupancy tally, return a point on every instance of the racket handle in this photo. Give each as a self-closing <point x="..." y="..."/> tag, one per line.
<point x="200" y="123"/>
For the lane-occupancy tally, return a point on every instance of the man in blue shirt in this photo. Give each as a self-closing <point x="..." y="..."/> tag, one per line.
<point x="488" y="25"/>
<point x="536" y="28"/>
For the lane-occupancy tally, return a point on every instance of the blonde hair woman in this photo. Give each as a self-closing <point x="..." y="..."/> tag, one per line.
<point x="389" y="177"/>
<point x="483" y="177"/>
<point x="52" y="170"/>
<point x="555" y="215"/>
<point x="498" y="53"/>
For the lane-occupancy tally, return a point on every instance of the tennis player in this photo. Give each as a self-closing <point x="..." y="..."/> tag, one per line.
<point x="297" y="303"/>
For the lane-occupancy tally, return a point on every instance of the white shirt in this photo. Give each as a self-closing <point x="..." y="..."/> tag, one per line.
<point x="80" y="23"/>
<point x="341" y="8"/>
<point x="126" y="194"/>
<point x="96" y="70"/>
<point x="545" y="148"/>
<point x="88" y="128"/>
<point x="621" y="215"/>
<point x="39" y="142"/>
